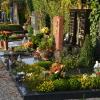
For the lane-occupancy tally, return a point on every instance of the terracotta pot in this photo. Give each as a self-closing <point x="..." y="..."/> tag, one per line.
<point x="98" y="73"/>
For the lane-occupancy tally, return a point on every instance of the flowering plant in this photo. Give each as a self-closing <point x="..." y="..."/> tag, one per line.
<point x="56" y="68"/>
<point x="5" y="34"/>
<point x="44" y="30"/>
<point x="28" y="44"/>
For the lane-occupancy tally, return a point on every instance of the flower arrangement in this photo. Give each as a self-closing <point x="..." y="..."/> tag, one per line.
<point x="44" y="30"/>
<point x="56" y="68"/>
<point x="5" y="34"/>
<point x="28" y="44"/>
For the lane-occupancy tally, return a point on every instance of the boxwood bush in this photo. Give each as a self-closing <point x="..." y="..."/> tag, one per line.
<point x="60" y="84"/>
<point x="11" y="27"/>
<point x="74" y="83"/>
<point x="70" y="61"/>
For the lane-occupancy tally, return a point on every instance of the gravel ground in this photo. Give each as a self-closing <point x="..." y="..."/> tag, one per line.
<point x="8" y="90"/>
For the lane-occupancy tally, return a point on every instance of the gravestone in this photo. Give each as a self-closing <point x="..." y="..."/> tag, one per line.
<point x="79" y="25"/>
<point x="34" y="22"/>
<point x="3" y="16"/>
<point x="15" y="13"/>
<point x="11" y="14"/>
<point x="58" y="34"/>
<point x="58" y="31"/>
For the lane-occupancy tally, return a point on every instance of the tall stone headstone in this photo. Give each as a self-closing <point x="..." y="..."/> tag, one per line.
<point x="34" y="22"/>
<point x="58" y="34"/>
<point x="15" y="13"/>
<point x="11" y="14"/>
<point x="3" y="16"/>
<point x="58" y="31"/>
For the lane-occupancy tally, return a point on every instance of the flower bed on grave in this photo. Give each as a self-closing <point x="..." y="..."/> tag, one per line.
<point x="16" y="37"/>
<point x="46" y="79"/>
<point x="27" y="46"/>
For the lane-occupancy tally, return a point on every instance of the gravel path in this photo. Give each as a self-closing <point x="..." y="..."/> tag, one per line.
<point x="8" y="90"/>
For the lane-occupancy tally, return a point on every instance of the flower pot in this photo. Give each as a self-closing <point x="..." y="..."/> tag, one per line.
<point x="98" y="73"/>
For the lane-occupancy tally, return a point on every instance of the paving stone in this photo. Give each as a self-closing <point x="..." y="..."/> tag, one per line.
<point x="8" y="89"/>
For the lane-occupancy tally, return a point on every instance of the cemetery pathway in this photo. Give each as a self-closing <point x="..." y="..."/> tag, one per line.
<point x="8" y="90"/>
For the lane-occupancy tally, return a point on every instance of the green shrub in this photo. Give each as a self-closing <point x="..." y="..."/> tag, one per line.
<point x="86" y="53"/>
<point x="60" y="84"/>
<point x="44" y="64"/>
<point x="19" y="48"/>
<point x="46" y="86"/>
<point x="85" y="81"/>
<point x="30" y="30"/>
<point x="95" y="82"/>
<point x="54" y="76"/>
<point x="74" y="84"/>
<point x="22" y="67"/>
<point x="11" y="27"/>
<point x="70" y="62"/>
<point x="36" y="39"/>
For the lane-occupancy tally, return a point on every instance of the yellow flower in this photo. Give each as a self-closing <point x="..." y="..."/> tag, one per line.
<point x="44" y="30"/>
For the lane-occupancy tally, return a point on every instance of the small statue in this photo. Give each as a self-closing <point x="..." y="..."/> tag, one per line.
<point x="97" y="67"/>
<point x="96" y="64"/>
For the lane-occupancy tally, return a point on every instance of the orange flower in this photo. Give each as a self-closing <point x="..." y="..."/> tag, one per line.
<point x="56" y="68"/>
<point x="28" y="44"/>
<point x="5" y="33"/>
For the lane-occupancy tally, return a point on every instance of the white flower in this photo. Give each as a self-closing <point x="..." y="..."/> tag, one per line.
<point x="85" y="76"/>
<point x="93" y="75"/>
<point x="21" y="73"/>
<point x="29" y="74"/>
<point x="56" y="72"/>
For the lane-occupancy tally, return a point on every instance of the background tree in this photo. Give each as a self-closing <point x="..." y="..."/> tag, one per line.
<point x="54" y="8"/>
<point x="94" y="20"/>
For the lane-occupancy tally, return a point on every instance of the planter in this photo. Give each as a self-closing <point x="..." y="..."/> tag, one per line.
<point x="82" y="94"/>
<point x="61" y="95"/>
